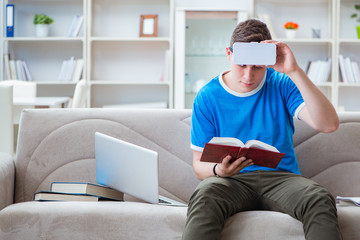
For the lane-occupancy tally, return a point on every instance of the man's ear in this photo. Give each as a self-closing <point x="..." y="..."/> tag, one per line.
<point x="228" y="51"/>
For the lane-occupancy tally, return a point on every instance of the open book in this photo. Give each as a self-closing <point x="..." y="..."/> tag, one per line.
<point x="261" y="153"/>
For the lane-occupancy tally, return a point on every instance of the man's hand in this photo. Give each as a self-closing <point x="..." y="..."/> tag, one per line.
<point x="229" y="168"/>
<point x="224" y="169"/>
<point x="285" y="59"/>
<point x="318" y="113"/>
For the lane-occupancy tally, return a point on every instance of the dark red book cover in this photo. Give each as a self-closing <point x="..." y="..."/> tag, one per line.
<point x="261" y="157"/>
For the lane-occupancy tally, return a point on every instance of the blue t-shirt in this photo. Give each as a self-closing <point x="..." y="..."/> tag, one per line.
<point x="264" y="114"/>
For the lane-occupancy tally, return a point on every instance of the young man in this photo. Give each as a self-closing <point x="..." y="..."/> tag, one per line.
<point x="256" y="102"/>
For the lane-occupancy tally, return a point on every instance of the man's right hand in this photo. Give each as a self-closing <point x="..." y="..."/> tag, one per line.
<point x="229" y="168"/>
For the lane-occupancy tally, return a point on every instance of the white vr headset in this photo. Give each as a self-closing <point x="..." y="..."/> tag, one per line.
<point x="254" y="53"/>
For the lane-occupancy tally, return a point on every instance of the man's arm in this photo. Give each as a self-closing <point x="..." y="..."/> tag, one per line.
<point x="319" y="113"/>
<point x="224" y="169"/>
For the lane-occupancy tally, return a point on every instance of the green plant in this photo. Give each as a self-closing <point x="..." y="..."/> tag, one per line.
<point x="42" y="19"/>
<point x="355" y="15"/>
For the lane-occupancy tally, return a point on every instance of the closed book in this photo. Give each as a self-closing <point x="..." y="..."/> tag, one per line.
<point x="7" y="66"/>
<point x="58" y="196"/>
<point x="261" y="153"/>
<point x="78" y="70"/>
<point x="10" y="20"/>
<point x="87" y="188"/>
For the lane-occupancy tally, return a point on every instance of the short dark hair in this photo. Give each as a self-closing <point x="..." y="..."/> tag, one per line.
<point x="251" y="30"/>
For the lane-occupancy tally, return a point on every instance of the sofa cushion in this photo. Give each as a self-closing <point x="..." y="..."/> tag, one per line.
<point x="132" y="220"/>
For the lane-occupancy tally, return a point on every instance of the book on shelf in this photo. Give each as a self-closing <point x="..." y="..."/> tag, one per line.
<point x="10" y="20"/>
<point x="7" y="66"/>
<point x="319" y="71"/>
<point x="342" y="69"/>
<point x="261" y="153"/>
<point x="16" y="69"/>
<point x="71" y="70"/>
<point x="349" y="200"/>
<point x="78" y="70"/>
<point x="75" y="26"/>
<point x="349" y="70"/>
<point x="356" y="71"/>
<point x="87" y="188"/>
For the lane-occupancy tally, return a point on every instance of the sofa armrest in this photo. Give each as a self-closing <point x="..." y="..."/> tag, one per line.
<point x="7" y="180"/>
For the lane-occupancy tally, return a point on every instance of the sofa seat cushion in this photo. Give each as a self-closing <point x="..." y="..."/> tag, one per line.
<point x="133" y="220"/>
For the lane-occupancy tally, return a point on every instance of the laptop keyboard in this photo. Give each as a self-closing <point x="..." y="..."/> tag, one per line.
<point x="163" y="201"/>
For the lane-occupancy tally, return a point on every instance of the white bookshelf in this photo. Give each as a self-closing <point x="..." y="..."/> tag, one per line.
<point x="44" y="55"/>
<point x="123" y="67"/>
<point x="348" y="46"/>
<point x="319" y="14"/>
<point x="338" y="36"/>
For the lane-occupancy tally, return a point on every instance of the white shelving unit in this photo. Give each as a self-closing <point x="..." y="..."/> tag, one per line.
<point x="123" y="67"/>
<point x="319" y="14"/>
<point x="44" y="55"/>
<point x="119" y="66"/>
<point x="338" y="36"/>
<point x="348" y="46"/>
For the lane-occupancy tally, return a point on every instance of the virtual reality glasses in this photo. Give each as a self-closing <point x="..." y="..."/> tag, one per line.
<point x="254" y="53"/>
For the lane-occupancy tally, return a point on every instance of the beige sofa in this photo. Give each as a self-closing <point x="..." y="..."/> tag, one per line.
<point x="58" y="145"/>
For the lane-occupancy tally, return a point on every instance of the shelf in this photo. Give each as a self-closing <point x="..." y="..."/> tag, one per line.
<point x="206" y="55"/>
<point x="306" y="40"/>
<point x="129" y="39"/>
<point x="325" y="84"/>
<point x="42" y="39"/>
<point x="357" y="85"/>
<point x="128" y="83"/>
<point x="54" y="83"/>
<point x="349" y="40"/>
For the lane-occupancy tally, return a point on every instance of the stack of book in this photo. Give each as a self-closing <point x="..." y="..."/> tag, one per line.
<point x="77" y="191"/>
<point x="71" y="70"/>
<point x="16" y="69"/>
<point x="75" y="26"/>
<point x="319" y="71"/>
<point x="349" y="70"/>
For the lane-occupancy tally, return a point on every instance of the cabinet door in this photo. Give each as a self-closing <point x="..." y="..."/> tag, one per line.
<point x="201" y="41"/>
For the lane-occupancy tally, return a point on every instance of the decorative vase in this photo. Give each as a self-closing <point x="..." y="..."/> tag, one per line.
<point x="290" y="33"/>
<point x="42" y="30"/>
<point x="358" y="31"/>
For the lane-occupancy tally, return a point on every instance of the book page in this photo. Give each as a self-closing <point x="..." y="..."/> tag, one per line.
<point x="262" y="145"/>
<point x="227" y="141"/>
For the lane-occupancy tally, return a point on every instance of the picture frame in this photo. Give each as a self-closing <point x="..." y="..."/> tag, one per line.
<point x="148" y="25"/>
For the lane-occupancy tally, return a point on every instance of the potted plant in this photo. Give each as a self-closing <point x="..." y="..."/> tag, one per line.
<point x="42" y="22"/>
<point x="355" y="15"/>
<point x="290" y="29"/>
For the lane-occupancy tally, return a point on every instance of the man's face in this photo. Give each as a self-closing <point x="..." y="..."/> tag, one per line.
<point x="245" y="78"/>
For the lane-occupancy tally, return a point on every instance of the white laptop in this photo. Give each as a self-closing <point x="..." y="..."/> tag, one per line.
<point x="129" y="168"/>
